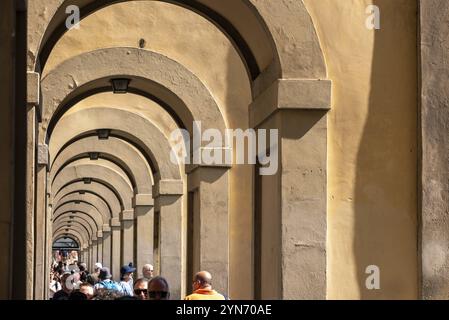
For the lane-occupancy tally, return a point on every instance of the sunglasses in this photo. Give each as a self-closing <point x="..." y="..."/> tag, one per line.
<point x="140" y="291"/>
<point x="154" y="294"/>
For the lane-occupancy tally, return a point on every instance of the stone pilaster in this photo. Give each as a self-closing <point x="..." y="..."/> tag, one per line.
<point x="144" y="216"/>
<point x="290" y="232"/>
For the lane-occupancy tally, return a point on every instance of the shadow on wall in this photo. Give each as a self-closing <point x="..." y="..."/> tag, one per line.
<point x="237" y="96"/>
<point x="385" y="202"/>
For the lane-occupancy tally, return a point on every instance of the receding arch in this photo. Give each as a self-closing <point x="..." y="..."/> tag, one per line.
<point x="96" y="201"/>
<point x="148" y="71"/>
<point x="80" y="228"/>
<point x="73" y="231"/>
<point x="113" y="148"/>
<point x="73" y="235"/>
<point x="257" y="25"/>
<point x="82" y="224"/>
<point x="84" y="206"/>
<point x="95" y="188"/>
<point x="112" y="160"/>
<point x="71" y="208"/>
<point x="80" y="218"/>
<point x="247" y="41"/>
<point x="101" y="173"/>
<point x="136" y="127"/>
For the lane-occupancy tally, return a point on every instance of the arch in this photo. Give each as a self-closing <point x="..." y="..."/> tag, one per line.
<point x="96" y="201"/>
<point x="253" y="26"/>
<point x="71" y="237"/>
<point x="144" y="133"/>
<point x="149" y="72"/>
<point x="77" y="225"/>
<point x="81" y="225"/>
<point x="114" y="148"/>
<point x="81" y="229"/>
<point x="243" y="39"/>
<point x="80" y="217"/>
<point x="95" y="188"/>
<point x="74" y="236"/>
<point x="96" y="220"/>
<point x="81" y="239"/>
<point x="106" y="175"/>
<point x="83" y="220"/>
<point x="77" y="228"/>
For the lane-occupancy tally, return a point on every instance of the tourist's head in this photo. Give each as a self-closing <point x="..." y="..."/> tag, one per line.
<point x="126" y="273"/>
<point x="87" y="289"/>
<point x="158" y="289"/>
<point x="141" y="289"/>
<point x="98" y="267"/>
<point x="104" y="274"/>
<point x="201" y="280"/>
<point x="147" y="271"/>
<point x="66" y="282"/>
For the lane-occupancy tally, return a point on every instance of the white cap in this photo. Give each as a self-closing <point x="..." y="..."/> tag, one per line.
<point x="98" y="265"/>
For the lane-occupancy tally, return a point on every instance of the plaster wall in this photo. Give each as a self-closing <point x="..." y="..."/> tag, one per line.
<point x="372" y="146"/>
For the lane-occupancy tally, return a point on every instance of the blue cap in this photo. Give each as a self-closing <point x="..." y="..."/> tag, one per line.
<point x="126" y="269"/>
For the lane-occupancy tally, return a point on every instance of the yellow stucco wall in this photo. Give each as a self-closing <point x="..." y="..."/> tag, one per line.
<point x="372" y="159"/>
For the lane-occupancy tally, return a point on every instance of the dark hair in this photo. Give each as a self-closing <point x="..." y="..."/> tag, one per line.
<point x="86" y="284"/>
<point x="140" y="280"/>
<point x="161" y="279"/>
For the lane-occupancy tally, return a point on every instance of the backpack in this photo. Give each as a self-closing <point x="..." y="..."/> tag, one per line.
<point x="109" y="285"/>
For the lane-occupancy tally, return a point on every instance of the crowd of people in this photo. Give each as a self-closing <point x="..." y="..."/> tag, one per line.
<point x="75" y="282"/>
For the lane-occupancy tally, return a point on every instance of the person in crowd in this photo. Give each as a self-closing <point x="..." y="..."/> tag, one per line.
<point x="147" y="272"/>
<point x="158" y="289"/>
<point x="202" y="288"/>
<point x="55" y="284"/>
<point x="141" y="289"/>
<point x="88" y="290"/>
<point x="83" y="272"/>
<point x="76" y="280"/>
<point x="65" y="292"/>
<point x="126" y="279"/>
<point x="93" y="278"/>
<point x="106" y="283"/>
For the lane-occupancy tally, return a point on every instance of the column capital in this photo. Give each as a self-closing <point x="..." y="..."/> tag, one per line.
<point x="303" y="94"/>
<point x="115" y="222"/>
<point x="99" y="234"/>
<point x="168" y="187"/>
<point x="33" y="88"/>
<point x="127" y="215"/>
<point x="106" y="228"/>
<point x="192" y="167"/>
<point x="200" y="174"/>
<point x="42" y="155"/>
<point x="141" y="200"/>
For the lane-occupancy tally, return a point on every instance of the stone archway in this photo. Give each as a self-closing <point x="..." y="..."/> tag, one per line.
<point x="276" y="104"/>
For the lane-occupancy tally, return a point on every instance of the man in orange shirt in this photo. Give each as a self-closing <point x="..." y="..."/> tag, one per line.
<point x="202" y="288"/>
